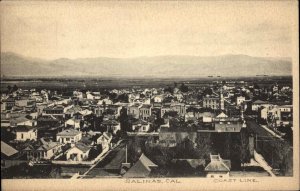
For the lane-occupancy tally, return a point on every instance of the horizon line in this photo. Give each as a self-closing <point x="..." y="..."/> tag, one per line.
<point x="144" y="56"/>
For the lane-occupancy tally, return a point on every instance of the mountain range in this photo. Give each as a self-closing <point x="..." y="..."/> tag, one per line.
<point x="159" y="66"/>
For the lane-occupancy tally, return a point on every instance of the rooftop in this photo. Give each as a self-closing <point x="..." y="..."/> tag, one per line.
<point x="24" y="128"/>
<point x="69" y="132"/>
<point x="7" y="149"/>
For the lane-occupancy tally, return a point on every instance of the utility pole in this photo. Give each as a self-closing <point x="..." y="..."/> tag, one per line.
<point x="126" y="153"/>
<point x="256" y="141"/>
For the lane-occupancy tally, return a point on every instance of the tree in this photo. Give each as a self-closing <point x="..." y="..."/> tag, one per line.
<point x="15" y="88"/>
<point x="124" y="120"/>
<point x="9" y="88"/>
<point x="207" y="91"/>
<point x="203" y="147"/>
<point x="123" y="98"/>
<point x="169" y="89"/>
<point x="171" y="114"/>
<point x="184" y="88"/>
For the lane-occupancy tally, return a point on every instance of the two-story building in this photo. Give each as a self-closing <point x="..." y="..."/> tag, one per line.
<point x="24" y="133"/>
<point x="69" y="136"/>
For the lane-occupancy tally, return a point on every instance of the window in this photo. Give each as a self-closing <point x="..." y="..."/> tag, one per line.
<point x="22" y="136"/>
<point x="221" y="176"/>
<point x="67" y="139"/>
<point x="212" y="176"/>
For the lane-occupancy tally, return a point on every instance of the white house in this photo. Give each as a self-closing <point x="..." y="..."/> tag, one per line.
<point x="105" y="101"/>
<point x="258" y="103"/>
<point x="73" y="122"/>
<point x="240" y="100"/>
<point x="79" y="152"/>
<point x="24" y="133"/>
<point x="141" y="126"/>
<point x="112" y="125"/>
<point x="104" y="140"/>
<point x="69" y="136"/>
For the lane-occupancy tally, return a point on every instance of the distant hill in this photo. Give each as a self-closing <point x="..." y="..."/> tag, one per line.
<point x="159" y="66"/>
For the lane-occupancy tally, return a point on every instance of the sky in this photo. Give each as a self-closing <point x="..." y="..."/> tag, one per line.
<point x="82" y="29"/>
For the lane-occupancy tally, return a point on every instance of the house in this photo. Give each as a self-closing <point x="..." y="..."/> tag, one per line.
<point x="179" y="108"/>
<point x="8" y="103"/>
<point x="105" y="101"/>
<point x="218" y="167"/>
<point x="70" y="111"/>
<point x="259" y="103"/>
<point x="164" y="109"/>
<point x="85" y="112"/>
<point x="205" y="116"/>
<point x="227" y="124"/>
<point x="24" y="133"/>
<point x="48" y="120"/>
<point x="79" y="152"/>
<point x="145" y="111"/>
<point x="222" y="115"/>
<point x="158" y="99"/>
<point x="75" y="123"/>
<point x="104" y="140"/>
<point x="24" y="102"/>
<point x="281" y="115"/>
<point x="240" y="100"/>
<point x="211" y="102"/>
<point x="141" y="126"/>
<point x="99" y="110"/>
<point x="42" y="150"/>
<point x="116" y="109"/>
<point x="141" y="169"/>
<point x="134" y="110"/>
<point x="54" y="110"/>
<point x="22" y="121"/>
<point x="69" y="136"/>
<point x="112" y="125"/>
<point x="90" y="95"/>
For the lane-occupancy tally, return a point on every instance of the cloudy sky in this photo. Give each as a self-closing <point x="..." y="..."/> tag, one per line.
<point x="79" y="29"/>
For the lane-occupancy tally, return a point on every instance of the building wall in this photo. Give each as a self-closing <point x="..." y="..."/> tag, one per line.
<point x="23" y="136"/>
<point x="69" y="139"/>
<point x="213" y="103"/>
<point x="134" y="111"/>
<point x="141" y="128"/>
<point x="80" y="155"/>
<point x="145" y="113"/>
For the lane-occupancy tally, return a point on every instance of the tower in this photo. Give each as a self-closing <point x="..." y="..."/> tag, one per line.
<point x="222" y="106"/>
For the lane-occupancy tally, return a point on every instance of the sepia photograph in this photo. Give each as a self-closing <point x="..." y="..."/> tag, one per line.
<point x="151" y="95"/>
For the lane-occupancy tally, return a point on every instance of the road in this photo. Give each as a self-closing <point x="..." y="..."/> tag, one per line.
<point x="277" y="152"/>
<point x="110" y="165"/>
<point x="257" y="129"/>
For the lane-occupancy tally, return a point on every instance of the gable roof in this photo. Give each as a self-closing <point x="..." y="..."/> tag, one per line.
<point x="69" y="132"/>
<point x="20" y="120"/>
<point x="24" y="128"/>
<point x="141" y="169"/>
<point x="142" y="122"/>
<point x="260" y="102"/>
<point x="82" y="147"/>
<point x="222" y="115"/>
<point x="110" y="122"/>
<point x="7" y="149"/>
